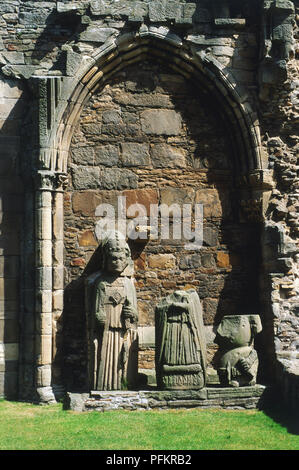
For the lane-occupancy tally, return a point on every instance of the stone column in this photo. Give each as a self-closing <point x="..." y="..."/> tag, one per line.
<point x="27" y="311"/>
<point x="43" y="284"/>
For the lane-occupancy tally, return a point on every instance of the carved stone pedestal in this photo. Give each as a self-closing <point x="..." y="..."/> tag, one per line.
<point x="210" y="397"/>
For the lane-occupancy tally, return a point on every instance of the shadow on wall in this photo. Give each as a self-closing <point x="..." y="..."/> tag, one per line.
<point x="59" y="28"/>
<point x="71" y="358"/>
<point x="12" y="112"/>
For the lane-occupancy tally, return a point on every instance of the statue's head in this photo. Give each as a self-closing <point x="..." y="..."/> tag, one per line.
<point x="117" y="255"/>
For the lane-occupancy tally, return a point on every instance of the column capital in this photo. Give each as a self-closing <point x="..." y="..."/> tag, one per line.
<point x="44" y="180"/>
<point x="47" y="180"/>
<point x="261" y="179"/>
<point x="60" y="182"/>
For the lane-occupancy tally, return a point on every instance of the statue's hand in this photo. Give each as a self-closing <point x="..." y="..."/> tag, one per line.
<point x="129" y="312"/>
<point x="101" y="317"/>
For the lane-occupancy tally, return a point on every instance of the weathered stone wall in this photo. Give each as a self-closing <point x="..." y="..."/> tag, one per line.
<point x="253" y="45"/>
<point x="152" y="137"/>
<point x="279" y="130"/>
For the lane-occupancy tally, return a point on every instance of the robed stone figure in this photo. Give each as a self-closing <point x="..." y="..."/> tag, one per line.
<point x="111" y="307"/>
<point x="180" y="342"/>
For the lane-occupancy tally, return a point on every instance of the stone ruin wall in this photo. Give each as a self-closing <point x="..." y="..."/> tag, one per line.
<point x="49" y="39"/>
<point x="149" y="136"/>
<point x="279" y="130"/>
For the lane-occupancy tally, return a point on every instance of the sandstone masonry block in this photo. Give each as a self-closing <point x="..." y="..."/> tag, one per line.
<point x="107" y="155"/>
<point x="11" y="108"/>
<point x="167" y="156"/>
<point x="162" y="261"/>
<point x="78" y="262"/>
<point x="210" y="236"/>
<point x="209" y="310"/>
<point x="118" y="179"/>
<point x="208" y="260"/>
<point x="146" y="197"/>
<point x="10" y="89"/>
<point x="111" y="116"/>
<point x="85" y="177"/>
<point x="135" y="154"/>
<point x="97" y="34"/>
<point x="161" y="122"/>
<point x="14" y="57"/>
<point x="92" y="128"/>
<point x="179" y="196"/>
<point x="34" y="18"/>
<point x="211" y="202"/>
<point x="223" y="260"/>
<point x="87" y="239"/>
<point x="83" y="155"/>
<point x="139" y="263"/>
<point x="157" y="11"/>
<point x="143" y="312"/>
<point x="190" y="261"/>
<point x="153" y="100"/>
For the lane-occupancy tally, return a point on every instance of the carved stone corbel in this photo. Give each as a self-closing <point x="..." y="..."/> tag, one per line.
<point x="255" y="190"/>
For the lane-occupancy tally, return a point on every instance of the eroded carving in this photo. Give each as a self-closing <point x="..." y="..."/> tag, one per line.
<point x="238" y="363"/>
<point x="180" y="342"/>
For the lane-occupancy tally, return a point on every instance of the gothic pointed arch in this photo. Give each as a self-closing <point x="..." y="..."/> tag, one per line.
<point x="202" y="69"/>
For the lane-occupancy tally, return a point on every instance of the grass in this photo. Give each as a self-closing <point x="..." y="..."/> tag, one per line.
<point x="31" y="427"/>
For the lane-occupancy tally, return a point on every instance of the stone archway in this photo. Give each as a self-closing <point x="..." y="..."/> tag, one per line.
<point x="203" y="69"/>
<point x="62" y="102"/>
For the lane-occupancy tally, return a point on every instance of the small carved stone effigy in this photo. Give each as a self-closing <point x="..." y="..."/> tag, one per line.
<point x="180" y="342"/>
<point x="238" y="363"/>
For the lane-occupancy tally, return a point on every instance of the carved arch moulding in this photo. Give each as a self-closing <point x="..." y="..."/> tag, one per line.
<point x="61" y="99"/>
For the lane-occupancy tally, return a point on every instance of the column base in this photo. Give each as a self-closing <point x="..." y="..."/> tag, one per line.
<point x="45" y="395"/>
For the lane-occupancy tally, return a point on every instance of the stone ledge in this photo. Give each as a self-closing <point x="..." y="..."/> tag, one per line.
<point x="214" y="397"/>
<point x="236" y="23"/>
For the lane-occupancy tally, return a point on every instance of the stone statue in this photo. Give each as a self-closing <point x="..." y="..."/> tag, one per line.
<point x="238" y="362"/>
<point x="180" y="342"/>
<point x="111" y="307"/>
